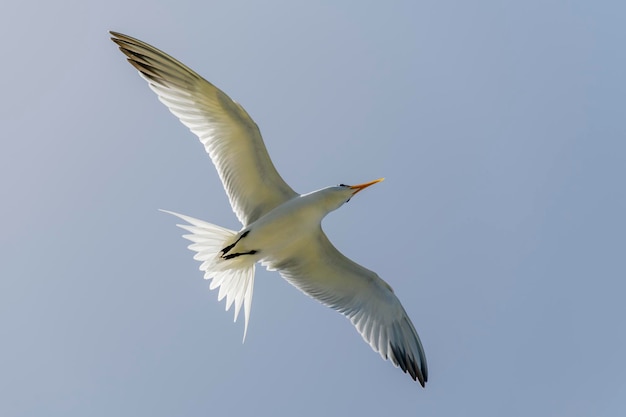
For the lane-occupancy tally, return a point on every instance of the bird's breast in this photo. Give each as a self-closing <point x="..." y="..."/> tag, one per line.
<point x="281" y="229"/>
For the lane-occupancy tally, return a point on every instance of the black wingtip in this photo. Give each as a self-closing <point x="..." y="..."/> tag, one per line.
<point x="115" y="36"/>
<point x="409" y="365"/>
<point x="120" y="39"/>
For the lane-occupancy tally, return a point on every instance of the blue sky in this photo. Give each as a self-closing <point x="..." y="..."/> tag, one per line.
<point x="499" y="127"/>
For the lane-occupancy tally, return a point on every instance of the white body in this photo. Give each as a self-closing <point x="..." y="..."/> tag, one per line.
<point x="280" y="233"/>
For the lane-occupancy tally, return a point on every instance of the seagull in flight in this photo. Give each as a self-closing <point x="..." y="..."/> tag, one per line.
<point x="281" y="228"/>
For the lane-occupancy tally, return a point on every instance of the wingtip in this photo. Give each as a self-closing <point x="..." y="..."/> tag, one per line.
<point x="116" y="36"/>
<point x="415" y="369"/>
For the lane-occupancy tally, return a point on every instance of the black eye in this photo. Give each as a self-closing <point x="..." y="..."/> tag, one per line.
<point x="342" y="185"/>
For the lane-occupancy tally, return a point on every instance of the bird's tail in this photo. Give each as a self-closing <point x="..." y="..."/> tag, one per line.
<point x="234" y="279"/>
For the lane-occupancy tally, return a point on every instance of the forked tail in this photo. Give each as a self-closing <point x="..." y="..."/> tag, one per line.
<point x="234" y="279"/>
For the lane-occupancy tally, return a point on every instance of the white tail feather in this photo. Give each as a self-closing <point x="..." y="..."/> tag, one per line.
<point x="235" y="280"/>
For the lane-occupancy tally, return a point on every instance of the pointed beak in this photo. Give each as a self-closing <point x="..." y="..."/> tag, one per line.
<point x="360" y="187"/>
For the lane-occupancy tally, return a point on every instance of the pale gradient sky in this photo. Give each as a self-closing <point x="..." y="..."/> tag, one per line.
<point x="499" y="126"/>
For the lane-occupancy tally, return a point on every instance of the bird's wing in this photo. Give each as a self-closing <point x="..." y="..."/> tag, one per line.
<point x="318" y="269"/>
<point x="229" y="134"/>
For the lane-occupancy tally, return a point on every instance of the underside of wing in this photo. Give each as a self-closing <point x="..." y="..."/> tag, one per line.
<point x="228" y="133"/>
<point x="318" y="269"/>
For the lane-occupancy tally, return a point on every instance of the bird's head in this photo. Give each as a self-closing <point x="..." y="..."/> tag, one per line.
<point x="340" y="194"/>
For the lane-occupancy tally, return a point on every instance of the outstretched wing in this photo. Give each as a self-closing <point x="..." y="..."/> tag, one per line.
<point x="228" y="133"/>
<point x="318" y="269"/>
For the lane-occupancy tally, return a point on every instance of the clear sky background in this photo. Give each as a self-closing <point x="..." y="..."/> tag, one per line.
<point x="500" y="127"/>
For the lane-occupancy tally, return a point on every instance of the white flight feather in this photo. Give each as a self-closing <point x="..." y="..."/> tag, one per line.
<point x="250" y="179"/>
<point x="235" y="282"/>
<point x="319" y="270"/>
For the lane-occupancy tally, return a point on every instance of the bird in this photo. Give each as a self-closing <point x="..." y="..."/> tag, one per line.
<point x="281" y="229"/>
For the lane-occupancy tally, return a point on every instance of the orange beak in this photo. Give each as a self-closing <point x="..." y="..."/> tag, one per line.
<point x="360" y="187"/>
